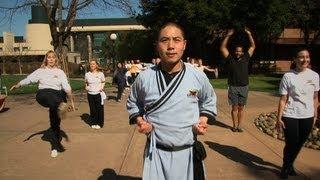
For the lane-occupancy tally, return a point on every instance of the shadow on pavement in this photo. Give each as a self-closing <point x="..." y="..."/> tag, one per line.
<point x="112" y="98"/>
<point x="4" y="110"/>
<point x="86" y="118"/>
<point x="237" y="155"/>
<point x="218" y="123"/>
<point x="48" y="135"/>
<point x="110" y="174"/>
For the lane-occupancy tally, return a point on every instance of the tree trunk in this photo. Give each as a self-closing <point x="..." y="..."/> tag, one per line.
<point x="306" y="36"/>
<point x="89" y="47"/>
<point x="62" y="54"/>
<point x="65" y="61"/>
<point x="19" y="64"/>
<point x="4" y="66"/>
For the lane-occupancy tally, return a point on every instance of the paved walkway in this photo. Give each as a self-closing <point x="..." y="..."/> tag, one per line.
<point x="115" y="152"/>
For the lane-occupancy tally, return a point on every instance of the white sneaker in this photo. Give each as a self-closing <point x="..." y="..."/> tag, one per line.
<point x="54" y="153"/>
<point x="98" y="127"/>
<point x="93" y="126"/>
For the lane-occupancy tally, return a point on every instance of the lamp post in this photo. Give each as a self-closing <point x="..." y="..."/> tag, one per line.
<point x="113" y="38"/>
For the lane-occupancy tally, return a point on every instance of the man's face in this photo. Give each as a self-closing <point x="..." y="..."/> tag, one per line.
<point x="171" y="45"/>
<point x="238" y="53"/>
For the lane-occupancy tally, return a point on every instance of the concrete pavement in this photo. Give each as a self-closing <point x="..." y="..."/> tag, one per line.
<point x="115" y="151"/>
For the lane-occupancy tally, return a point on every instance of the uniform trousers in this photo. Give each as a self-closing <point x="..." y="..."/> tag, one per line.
<point x="296" y="133"/>
<point x="51" y="99"/>
<point x="96" y="109"/>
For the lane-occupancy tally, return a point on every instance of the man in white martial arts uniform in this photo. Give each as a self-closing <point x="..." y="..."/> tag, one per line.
<point x="171" y="103"/>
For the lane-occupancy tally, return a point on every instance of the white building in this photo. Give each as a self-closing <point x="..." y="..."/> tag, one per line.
<point x="88" y="31"/>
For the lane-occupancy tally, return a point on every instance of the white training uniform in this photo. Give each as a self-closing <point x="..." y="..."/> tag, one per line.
<point x="95" y="82"/>
<point x="200" y="68"/>
<point x="172" y="109"/>
<point x="300" y="88"/>
<point x="48" y="78"/>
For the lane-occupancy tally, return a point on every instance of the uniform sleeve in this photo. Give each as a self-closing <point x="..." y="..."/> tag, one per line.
<point x="317" y="81"/>
<point x="31" y="78"/>
<point x="103" y="80"/>
<point x="283" y="87"/>
<point x="64" y="82"/>
<point x="207" y="99"/>
<point x="135" y="105"/>
<point x="86" y="77"/>
<point x="102" y="77"/>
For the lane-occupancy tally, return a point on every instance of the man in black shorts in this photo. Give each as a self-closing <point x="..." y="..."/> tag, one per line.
<point x="238" y="79"/>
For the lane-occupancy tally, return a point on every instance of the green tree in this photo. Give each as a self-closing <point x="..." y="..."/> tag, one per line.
<point x="306" y="16"/>
<point x="192" y="15"/>
<point x="205" y="20"/>
<point x="136" y="45"/>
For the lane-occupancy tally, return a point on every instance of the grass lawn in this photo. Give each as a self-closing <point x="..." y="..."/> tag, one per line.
<point x="256" y="83"/>
<point x="9" y="80"/>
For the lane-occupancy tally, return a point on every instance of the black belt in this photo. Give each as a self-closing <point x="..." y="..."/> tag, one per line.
<point x="173" y="148"/>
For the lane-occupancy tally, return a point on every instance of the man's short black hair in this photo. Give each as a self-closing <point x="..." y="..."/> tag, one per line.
<point x="174" y="24"/>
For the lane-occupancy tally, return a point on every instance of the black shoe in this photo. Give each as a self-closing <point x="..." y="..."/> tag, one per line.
<point x="291" y="171"/>
<point x="233" y="129"/>
<point x="284" y="173"/>
<point x="60" y="147"/>
<point x="239" y="129"/>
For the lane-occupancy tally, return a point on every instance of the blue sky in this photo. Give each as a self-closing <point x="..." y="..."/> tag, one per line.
<point x="20" y="19"/>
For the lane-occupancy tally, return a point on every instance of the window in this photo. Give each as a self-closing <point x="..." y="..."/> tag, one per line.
<point x="16" y="49"/>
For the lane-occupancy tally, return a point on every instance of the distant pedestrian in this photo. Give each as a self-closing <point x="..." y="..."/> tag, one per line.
<point x="202" y="67"/>
<point x="95" y="82"/>
<point x="120" y="79"/>
<point x="238" y="77"/>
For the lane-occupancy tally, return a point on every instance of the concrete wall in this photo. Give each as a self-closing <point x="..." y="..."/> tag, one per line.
<point x="38" y="37"/>
<point x="8" y="41"/>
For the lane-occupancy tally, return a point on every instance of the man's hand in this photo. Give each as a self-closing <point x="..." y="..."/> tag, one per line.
<point x="202" y="126"/>
<point x="230" y="32"/>
<point x="144" y="127"/>
<point x="247" y="31"/>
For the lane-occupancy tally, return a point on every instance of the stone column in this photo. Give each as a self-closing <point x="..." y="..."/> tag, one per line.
<point x="71" y="43"/>
<point x="89" y="47"/>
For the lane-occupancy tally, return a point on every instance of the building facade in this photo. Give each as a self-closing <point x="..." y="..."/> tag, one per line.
<point x="88" y="36"/>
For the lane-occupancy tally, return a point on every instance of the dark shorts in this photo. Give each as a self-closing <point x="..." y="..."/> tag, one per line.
<point x="238" y="95"/>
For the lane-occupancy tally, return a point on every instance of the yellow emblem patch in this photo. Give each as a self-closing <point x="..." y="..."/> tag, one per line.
<point x="193" y="92"/>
